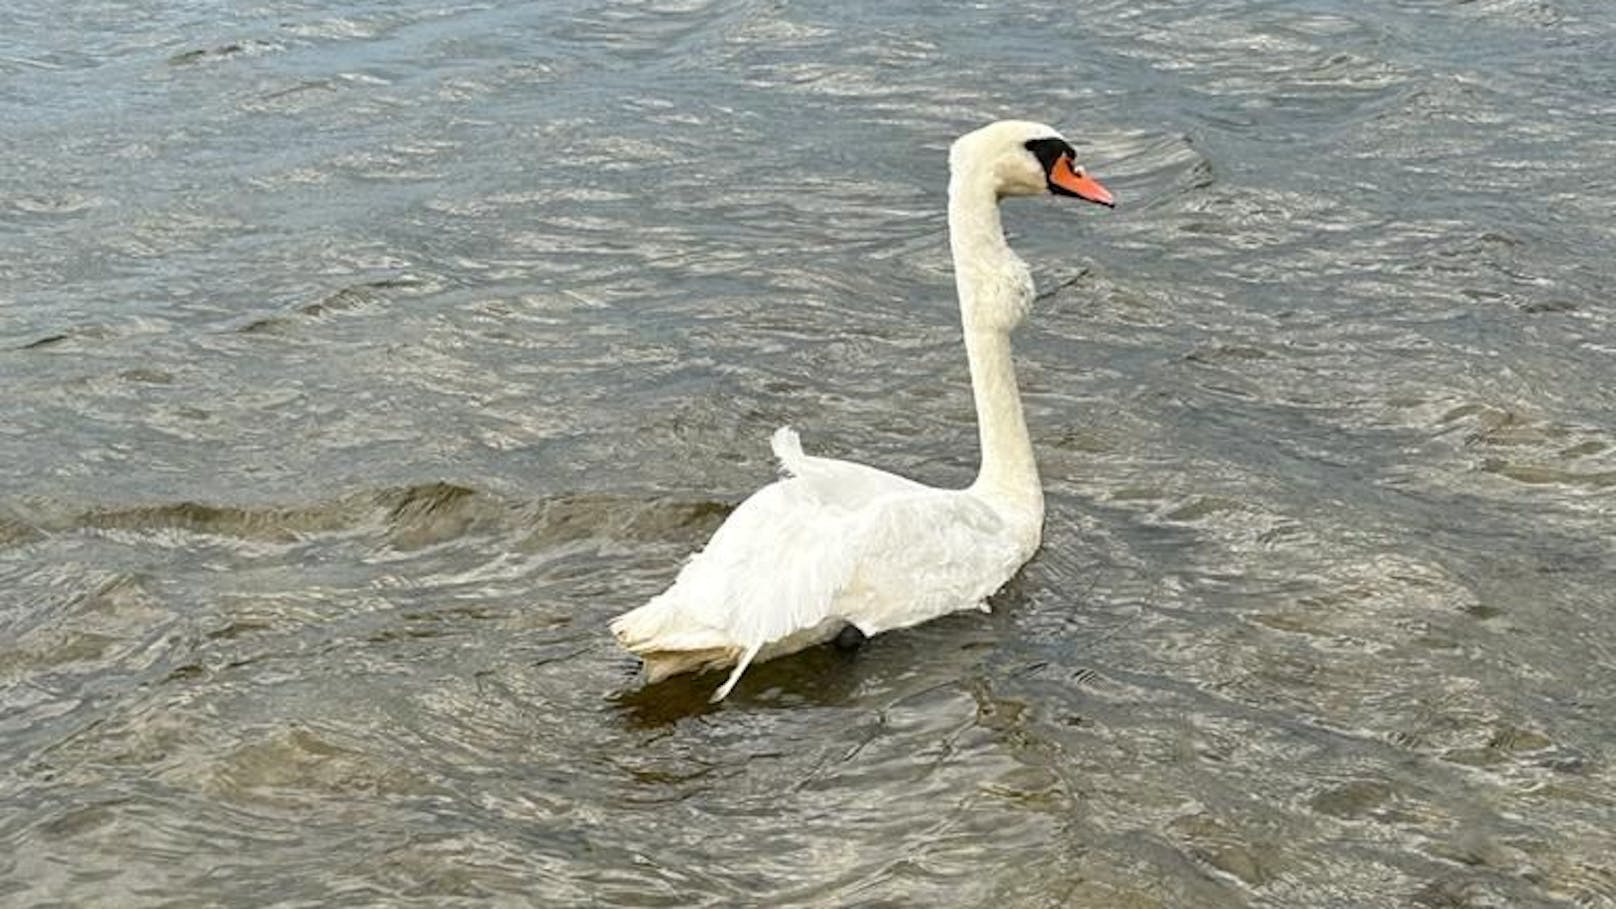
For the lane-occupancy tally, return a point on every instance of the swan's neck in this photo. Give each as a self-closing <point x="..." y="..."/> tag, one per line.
<point x="995" y="290"/>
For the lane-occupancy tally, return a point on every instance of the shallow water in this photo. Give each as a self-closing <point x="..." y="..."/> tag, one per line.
<point x="362" y="359"/>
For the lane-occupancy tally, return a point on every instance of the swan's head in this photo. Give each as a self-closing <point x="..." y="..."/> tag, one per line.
<point x="1018" y="158"/>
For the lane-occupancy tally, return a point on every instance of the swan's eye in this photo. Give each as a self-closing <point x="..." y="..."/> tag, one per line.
<point x="1049" y="150"/>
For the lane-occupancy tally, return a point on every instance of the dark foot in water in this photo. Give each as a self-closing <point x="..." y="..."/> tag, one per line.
<point x="850" y="638"/>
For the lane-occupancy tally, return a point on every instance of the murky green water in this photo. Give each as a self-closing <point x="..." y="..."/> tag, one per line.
<point x="360" y="360"/>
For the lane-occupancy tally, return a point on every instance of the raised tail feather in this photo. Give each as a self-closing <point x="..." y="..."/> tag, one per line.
<point x="788" y="448"/>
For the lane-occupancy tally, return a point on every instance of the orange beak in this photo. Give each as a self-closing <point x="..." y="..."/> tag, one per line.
<point x="1075" y="182"/>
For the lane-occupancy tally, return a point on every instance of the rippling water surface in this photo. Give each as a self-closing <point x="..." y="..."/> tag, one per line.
<point x="361" y="359"/>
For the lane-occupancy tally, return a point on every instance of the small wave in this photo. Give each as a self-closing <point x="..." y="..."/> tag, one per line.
<point x="410" y="517"/>
<point x="352" y="298"/>
<point x="570" y="518"/>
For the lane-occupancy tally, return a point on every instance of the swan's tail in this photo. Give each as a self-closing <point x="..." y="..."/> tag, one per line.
<point x="668" y="645"/>
<point x="788" y="448"/>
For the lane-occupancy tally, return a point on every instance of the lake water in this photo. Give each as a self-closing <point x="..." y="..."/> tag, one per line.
<point x="360" y="360"/>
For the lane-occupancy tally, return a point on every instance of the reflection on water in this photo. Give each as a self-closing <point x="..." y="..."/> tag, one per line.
<point x="362" y="361"/>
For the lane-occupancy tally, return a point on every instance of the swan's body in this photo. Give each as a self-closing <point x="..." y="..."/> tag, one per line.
<point x="836" y="543"/>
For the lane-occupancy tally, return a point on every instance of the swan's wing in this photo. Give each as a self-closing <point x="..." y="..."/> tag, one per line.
<point x="924" y="555"/>
<point x="916" y="552"/>
<point x="835" y="542"/>
<point x="788" y="565"/>
<point x="772" y="569"/>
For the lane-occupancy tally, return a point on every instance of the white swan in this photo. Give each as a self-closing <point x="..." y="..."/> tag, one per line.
<point x="837" y="544"/>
